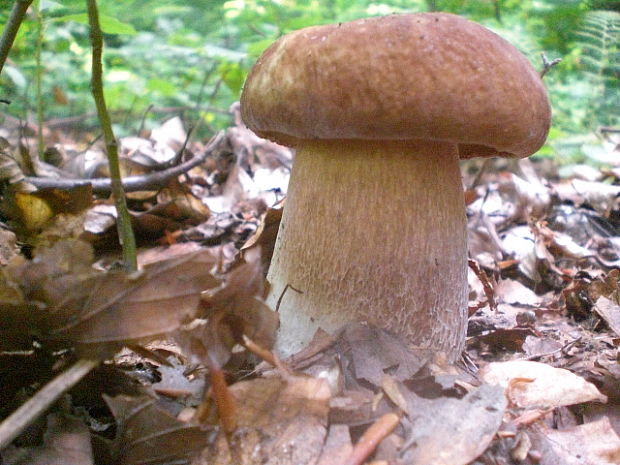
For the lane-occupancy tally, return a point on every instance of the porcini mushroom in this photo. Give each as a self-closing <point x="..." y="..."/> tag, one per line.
<point x="380" y="110"/>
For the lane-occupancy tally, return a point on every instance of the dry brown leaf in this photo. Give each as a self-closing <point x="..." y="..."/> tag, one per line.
<point x="66" y="442"/>
<point x="233" y="309"/>
<point x="116" y="307"/>
<point x="337" y="446"/>
<point x="610" y="312"/>
<point x="374" y="352"/>
<point x="8" y="246"/>
<point x="448" y="431"/>
<point x="513" y="292"/>
<point x="147" y="434"/>
<point x="537" y="385"/>
<point x="265" y="235"/>
<point x="279" y="422"/>
<point x="594" y="443"/>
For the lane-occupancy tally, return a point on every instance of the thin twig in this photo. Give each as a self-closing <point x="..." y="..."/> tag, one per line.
<point x="486" y="284"/>
<point x="143" y="120"/>
<point x="286" y="288"/>
<point x="29" y="411"/>
<point x="547" y="65"/>
<point x="371" y="438"/>
<point x="152" y="181"/>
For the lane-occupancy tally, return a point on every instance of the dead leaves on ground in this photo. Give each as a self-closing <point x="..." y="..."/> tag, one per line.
<point x="544" y="330"/>
<point x="59" y="300"/>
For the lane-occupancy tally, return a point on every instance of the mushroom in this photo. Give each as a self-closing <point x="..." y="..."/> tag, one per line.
<point x="380" y="110"/>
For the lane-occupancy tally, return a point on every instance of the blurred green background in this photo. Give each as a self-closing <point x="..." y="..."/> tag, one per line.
<point x="191" y="58"/>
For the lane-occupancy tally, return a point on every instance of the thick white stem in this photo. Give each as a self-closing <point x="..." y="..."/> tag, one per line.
<point x="373" y="231"/>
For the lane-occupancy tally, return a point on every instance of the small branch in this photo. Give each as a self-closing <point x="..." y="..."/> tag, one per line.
<point x="486" y="284"/>
<point x="20" y="7"/>
<point x="371" y="438"/>
<point x="152" y="181"/>
<point x="29" y="411"/>
<point x="38" y="80"/>
<point x="547" y="65"/>
<point x="123" y="222"/>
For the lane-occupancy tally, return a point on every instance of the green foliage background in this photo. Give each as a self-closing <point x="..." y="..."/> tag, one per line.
<point x="192" y="57"/>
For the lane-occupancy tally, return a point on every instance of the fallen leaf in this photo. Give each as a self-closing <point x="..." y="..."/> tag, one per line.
<point x="147" y="434"/>
<point x="279" y="422"/>
<point x="116" y="307"/>
<point x="594" y="443"/>
<point x="66" y="442"/>
<point x="337" y="446"/>
<point x="233" y="309"/>
<point x="610" y="312"/>
<point x="375" y="352"/>
<point x="537" y="385"/>
<point x="446" y="431"/>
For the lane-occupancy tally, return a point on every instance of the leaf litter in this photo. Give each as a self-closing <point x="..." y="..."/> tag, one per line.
<point x="188" y="375"/>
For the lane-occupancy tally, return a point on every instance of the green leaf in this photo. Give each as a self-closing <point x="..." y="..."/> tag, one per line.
<point x="109" y="24"/>
<point x="161" y="86"/>
<point x="233" y="76"/>
<point x="256" y="48"/>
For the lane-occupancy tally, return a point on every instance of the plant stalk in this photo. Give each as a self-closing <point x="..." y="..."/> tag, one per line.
<point x="10" y="29"/>
<point x="123" y="222"/>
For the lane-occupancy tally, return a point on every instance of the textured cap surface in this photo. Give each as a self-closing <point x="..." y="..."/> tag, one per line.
<point x="415" y="76"/>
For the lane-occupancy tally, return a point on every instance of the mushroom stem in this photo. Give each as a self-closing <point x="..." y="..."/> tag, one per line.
<point x="373" y="231"/>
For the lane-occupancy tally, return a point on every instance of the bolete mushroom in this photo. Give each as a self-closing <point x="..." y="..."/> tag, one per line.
<point x="380" y="110"/>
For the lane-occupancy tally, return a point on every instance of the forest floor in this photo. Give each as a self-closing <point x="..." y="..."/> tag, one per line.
<point x="185" y="374"/>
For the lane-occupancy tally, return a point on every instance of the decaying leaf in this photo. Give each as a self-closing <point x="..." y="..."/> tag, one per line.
<point x="100" y="311"/>
<point x="375" y="352"/>
<point x="279" y="422"/>
<point x="265" y="235"/>
<point x="447" y="431"/>
<point x="66" y="442"/>
<point x="117" y="307"/>
<point x="594" y="443"/>
<point x="233" y="309"/>
<point x="147" y="434"/>
<point x="537" y="385"/>
<point x="337" y="446"/>
<point x="610" y="312"/>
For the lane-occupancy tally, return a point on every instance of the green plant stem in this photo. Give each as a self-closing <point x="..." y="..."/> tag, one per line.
<point x="39" y="79"/>
<point x="123" y="222"/>
<point x="10" y="29"/>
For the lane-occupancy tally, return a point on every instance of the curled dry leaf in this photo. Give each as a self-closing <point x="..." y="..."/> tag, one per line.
<point x="233" y="309"/>
<point x="537" y="385"/>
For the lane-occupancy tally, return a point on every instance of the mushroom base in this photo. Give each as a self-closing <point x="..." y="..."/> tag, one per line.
<point x="373" y="231"/>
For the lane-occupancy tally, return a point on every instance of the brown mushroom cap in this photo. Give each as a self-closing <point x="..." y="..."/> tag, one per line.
<point x="429" y="76"/>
